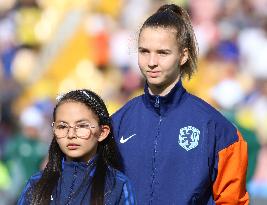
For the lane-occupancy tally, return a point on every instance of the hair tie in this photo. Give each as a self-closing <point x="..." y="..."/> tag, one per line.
<point x="59" y="97"/>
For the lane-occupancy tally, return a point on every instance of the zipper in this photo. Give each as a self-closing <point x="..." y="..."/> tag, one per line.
<point x="73" y="194"/>
<point x="154" y="169"/>
<point x="72" y="185"/>
<point x="156" y="105"/>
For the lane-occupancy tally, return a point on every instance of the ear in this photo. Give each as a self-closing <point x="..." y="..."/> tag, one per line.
<point x="105" y="130"/>
<point x="184" y="56"/>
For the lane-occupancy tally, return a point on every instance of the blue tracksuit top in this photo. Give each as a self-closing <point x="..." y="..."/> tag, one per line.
<point x="177" y="149"/>
<point x="72" y="184"/>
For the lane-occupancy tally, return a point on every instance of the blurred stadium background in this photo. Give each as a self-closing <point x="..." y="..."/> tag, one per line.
<point x="49" y="47"/>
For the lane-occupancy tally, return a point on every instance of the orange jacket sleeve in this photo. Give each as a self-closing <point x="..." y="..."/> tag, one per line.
<point x="230" y="184"/>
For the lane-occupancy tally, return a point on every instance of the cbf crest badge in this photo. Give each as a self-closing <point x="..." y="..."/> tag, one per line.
<point x="189" y="137"/>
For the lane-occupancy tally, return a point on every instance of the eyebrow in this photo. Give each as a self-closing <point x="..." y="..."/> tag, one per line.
<point x="78" y="121"/>
<point x="82" y="120"/>
<point x="142" y="48"/>
<point x="159" y="50"/>
<point x="164" y="50"/>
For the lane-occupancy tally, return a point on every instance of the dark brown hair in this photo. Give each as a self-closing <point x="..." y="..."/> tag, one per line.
<point x="107" y="152"/>
<point x="173" y="16"/>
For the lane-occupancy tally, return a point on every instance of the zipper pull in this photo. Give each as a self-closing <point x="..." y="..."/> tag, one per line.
<point x="157" y="102"/>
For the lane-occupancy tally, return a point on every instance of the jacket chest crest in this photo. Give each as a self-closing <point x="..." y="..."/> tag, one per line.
<point x="188" y="137"/>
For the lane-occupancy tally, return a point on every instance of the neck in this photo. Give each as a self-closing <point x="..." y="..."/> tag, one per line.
<point x="161" y="90"/>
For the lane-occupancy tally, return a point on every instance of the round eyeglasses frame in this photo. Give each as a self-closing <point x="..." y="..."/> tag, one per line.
<point x="82" y="130"/>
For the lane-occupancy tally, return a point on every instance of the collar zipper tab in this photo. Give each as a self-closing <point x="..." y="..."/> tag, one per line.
<point x="157" y="102"/>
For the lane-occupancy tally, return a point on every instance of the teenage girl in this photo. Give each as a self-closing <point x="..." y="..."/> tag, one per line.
<point x="187" y="151"/>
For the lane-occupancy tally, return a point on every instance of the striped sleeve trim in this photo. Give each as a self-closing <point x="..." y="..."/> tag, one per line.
<point x="128" y="194"/>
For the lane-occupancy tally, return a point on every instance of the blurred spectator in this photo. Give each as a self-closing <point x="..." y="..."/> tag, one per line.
<point x="23" y="64"/>
<point x="253" y="49"/>
<point x="8" y="42"/>
<point x="4" y="177"/>
<point x="4" y="184"/>
<point x="9" y="90"/>
<point x="28" y="15"/>
<point x="228" y="95"/>
<point x="24" y="152"/>
<point x="258" y="106"/>
<point x="97" y="28"/>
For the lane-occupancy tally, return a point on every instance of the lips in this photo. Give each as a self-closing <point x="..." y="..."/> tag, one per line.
<point x="72" y="146"/>
<point x="153" y="74"/>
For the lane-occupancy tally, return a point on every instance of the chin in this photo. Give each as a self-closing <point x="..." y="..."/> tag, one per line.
<point x="154" y="81"/>
<point x="75" y="158"/>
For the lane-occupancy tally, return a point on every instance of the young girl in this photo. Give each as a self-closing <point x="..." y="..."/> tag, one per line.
<point x="83" y="159"/>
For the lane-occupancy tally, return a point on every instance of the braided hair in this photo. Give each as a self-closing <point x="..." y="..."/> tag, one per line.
<point x="107" y="152"/>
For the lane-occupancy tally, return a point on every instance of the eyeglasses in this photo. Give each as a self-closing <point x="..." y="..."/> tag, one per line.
<point x="82" y="130"/>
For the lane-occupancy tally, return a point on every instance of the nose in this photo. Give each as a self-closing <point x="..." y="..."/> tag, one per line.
<point x="72" y="133"/>
<point x="153" y="61"/>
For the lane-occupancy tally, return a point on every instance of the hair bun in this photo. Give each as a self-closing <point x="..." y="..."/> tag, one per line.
<point x="172" y="7"/>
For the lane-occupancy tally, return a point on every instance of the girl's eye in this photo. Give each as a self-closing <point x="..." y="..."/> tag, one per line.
<point x="61" y="127"/>
<point x="143" y="51"/>
<point x="86" y="126"/>
<point x="163" y="53"/>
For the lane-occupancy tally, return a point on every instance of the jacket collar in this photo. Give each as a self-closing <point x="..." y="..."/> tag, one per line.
<point x="79" y="166"/>
<point x="163" y="104"/>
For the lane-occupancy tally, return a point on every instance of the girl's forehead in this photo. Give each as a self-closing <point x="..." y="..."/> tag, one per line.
<point x="158" y="36"/>
<point x="158" y="29"/>
<point x="158" y="33"/>
<point x="71" y="107"/>
<point x="70" y="103"/>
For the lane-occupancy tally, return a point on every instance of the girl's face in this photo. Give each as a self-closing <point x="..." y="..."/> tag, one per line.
<point x="82" y="131"/>
<point x="159" y="58"/>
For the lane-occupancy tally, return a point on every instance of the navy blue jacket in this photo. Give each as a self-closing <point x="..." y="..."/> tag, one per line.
<point x="177" y="149"/>
<point x="72" y="184"/>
